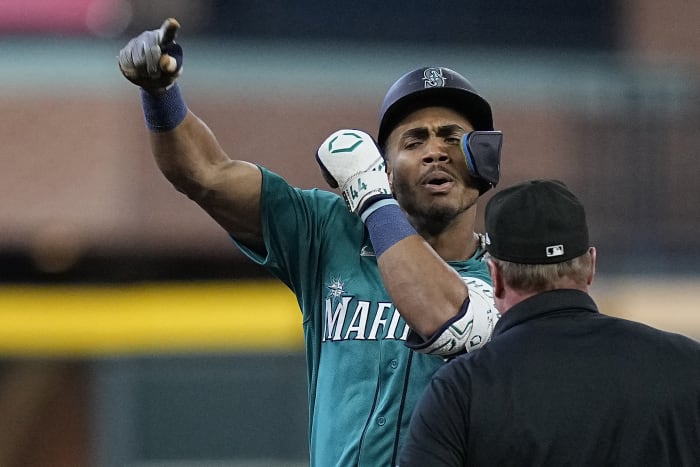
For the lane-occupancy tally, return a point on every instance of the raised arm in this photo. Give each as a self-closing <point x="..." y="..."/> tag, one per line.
<point x="432" y="298"/>
<point x="185" y="149"/>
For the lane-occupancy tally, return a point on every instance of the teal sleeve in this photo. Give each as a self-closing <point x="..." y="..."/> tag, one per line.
<point x="297" y="227"/>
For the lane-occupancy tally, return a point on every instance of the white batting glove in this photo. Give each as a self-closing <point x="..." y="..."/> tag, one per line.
<point x="350" y="160"/>
<point x="152" y="60"/>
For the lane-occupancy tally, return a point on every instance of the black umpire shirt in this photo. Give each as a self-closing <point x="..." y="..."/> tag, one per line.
<point x="561" y="384"/>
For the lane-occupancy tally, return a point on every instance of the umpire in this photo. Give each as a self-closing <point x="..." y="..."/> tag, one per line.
<point x="560" y="383"/>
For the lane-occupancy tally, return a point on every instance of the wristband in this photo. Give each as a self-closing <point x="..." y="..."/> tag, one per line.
<point x="387" y="225"/>
<point x="381" y="200"/>
<point x="163" y="110"/>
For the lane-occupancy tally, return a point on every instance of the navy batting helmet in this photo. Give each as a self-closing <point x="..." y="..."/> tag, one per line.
<point x="442" y="87"/>
<point x="428" y="87"/>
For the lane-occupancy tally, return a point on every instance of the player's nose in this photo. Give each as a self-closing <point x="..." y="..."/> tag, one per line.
<point x="435" y="151"/>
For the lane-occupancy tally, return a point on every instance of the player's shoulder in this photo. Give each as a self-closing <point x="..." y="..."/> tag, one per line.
<point x="276" y="183"/>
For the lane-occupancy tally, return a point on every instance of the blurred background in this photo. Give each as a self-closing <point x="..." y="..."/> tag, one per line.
<point x="132" y="332"/>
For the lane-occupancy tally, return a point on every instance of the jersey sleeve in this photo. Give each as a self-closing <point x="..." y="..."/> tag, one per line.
<point x="297" y="228"/>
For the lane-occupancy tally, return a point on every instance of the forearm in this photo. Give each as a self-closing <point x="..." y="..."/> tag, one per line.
<point x="428" y="304"/>
<point x="188" y="155"/>
<point x="427" y="292"/>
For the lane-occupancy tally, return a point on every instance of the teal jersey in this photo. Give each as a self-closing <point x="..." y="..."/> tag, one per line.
<point x="363" y="381"/>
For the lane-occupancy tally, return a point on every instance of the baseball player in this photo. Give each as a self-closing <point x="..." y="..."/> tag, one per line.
<point x="560" y="383"/>
<point x="410" y="198"/>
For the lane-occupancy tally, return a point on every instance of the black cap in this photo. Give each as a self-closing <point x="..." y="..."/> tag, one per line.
<point x="536" y="222"/>
<point x="428" y="87"/>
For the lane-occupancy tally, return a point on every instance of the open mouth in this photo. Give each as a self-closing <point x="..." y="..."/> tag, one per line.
<point x="438" y="181"/>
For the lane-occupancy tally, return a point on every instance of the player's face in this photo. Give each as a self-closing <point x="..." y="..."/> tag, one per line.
<point x="427" y="169"/>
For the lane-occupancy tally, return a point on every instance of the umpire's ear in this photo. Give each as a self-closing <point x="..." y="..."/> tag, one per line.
<point x="496" y="279"/>
<point x="591" y="251"/>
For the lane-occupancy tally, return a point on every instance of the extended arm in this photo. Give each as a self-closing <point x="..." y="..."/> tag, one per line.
<point x="185" y="149"/>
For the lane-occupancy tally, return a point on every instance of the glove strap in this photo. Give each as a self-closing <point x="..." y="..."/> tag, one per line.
<point x="364" y="186"/>
<point x="163" y="109"/>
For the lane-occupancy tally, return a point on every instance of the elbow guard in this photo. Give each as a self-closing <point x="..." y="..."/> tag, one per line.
<point x="469" y="330"/>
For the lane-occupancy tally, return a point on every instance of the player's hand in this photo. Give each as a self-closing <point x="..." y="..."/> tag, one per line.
<point x="152" y="59"/>
<point x="350" y="160"/>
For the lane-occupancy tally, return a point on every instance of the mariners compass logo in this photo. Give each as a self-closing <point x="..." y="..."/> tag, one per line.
<point x="433" y="78"/>
<point x="336" y="288"/>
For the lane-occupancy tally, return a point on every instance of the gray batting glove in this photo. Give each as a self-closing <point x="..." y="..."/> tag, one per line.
<point x="152" y="60"/>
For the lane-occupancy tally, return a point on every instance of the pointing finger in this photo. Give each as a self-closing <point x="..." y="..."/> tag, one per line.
<point x="168" y="30"/>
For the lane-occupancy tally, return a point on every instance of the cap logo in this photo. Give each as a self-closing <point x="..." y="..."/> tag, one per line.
<point x="555" y="250"/>
<point x="433" y="78"/>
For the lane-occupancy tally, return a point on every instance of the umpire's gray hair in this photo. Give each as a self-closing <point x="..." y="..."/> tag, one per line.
<point x="543" y="277"/>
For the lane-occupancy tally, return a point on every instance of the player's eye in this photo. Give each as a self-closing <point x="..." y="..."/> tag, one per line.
<point x="411" y="143"/>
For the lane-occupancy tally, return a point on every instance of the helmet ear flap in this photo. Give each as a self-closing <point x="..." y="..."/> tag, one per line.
<point x="482" y="150"/>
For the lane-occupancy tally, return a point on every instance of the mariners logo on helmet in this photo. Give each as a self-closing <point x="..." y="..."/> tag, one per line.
<point x="433" y="78"/>
<point x="427" y="87"/>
